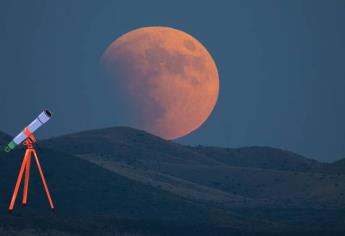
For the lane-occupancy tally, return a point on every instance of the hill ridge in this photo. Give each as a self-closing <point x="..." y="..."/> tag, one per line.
<point x="236" y="186"/>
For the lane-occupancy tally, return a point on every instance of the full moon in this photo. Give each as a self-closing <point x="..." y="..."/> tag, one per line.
<point x="167" y="78"/>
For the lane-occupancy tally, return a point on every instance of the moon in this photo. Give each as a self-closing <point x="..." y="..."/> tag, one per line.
<point x="167" y="79"/>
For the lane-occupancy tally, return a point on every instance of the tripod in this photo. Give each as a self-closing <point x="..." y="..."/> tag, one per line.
<point x="30" y="151"/>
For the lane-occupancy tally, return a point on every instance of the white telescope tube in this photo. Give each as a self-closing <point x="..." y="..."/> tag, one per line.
<point x="32" y="127"/>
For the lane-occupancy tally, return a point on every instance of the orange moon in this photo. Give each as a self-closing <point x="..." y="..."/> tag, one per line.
<point x="168" y="79"/>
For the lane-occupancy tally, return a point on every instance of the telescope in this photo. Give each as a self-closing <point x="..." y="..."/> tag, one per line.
<point x="28" y="139"/>
<point x="29" y="130"/>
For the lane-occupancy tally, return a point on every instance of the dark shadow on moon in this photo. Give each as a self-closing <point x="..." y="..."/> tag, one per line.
<point x="139" y="105"/>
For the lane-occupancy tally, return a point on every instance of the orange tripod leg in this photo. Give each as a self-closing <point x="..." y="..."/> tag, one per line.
<point x="26" y="181"/>
<point x="20" y="176"/>
<point x="43" y="180"/>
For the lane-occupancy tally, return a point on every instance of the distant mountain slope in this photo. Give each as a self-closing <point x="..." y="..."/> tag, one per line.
<point x="337" y="166"/>
<point x="253" y="176"/>
<point x="270" y="188"/>
<point x="124" y="143"/>
<point x="80" y="188"/>
<point x="91" y="200"/>
<point x="123" y="173"/>
<point x="261" y="157"/>
<point x="127" y="144"/>
<point x="339" y="163"/>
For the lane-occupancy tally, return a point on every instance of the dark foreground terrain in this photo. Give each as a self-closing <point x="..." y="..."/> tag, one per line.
<point x="122" y="181"/>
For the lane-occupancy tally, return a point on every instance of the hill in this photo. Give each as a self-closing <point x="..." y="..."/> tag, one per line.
<point x="252" y="176"/>
<point x="87" y="194"/>
<point x="261" y="157"/>
<point x="128" y="144"/>
<point x="139" y="146"/>
<point x="133" y="179"/>
<point x="340" y="163"/>
<point x="337" y="166"/>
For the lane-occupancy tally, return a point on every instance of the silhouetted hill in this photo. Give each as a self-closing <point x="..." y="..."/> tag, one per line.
<point x="261" y="157"/>
<point x="130" y="177"/>
<point x="135" y="145"/>
<point x="340" y="163"/>
<point x="252" y="176"/>
<point x="337" y="166"/>
<point x="82" y="189"/>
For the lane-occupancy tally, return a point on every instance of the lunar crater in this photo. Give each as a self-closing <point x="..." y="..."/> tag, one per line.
<point x="173" y="62"/>
<point x="189" y="44"/>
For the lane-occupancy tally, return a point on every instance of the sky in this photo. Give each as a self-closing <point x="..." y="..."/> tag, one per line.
<point x="281" y="66"/>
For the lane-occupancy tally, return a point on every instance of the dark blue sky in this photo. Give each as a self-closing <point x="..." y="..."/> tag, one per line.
<point x="281" y="65"/>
